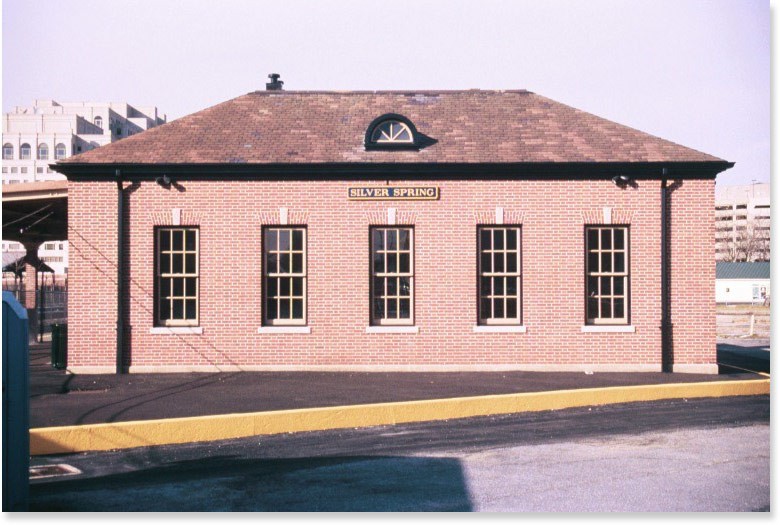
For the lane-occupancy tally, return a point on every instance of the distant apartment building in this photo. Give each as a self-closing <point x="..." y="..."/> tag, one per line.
<point x="35" y="136"/>
<point x="742" y="223"/>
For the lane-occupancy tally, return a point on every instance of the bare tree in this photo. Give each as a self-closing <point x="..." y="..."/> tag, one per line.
<point x="751" y="242"/>
<point x="761" y="230"/>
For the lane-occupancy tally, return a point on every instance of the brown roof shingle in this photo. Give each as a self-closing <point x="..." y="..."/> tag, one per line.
<point x="329" y="127"/>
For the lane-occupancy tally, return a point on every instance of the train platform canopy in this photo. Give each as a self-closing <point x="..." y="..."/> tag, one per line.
<point x="35" y="212"/>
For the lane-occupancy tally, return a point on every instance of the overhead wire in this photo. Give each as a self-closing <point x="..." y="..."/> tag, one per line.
<point x="47" y="206"/>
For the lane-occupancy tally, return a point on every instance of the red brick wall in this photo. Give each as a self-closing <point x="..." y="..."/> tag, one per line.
<point x="692" y="239"/>
<point x="92" y="247"/>
<point x="231" y="214"/>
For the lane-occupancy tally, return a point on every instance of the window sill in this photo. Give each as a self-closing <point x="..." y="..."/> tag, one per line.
<point x="284" y="330"/>
<point x="176" y="330"/>
<point x="609" y="328"/>
<point x="392" y="329"/>
<point x="499" y="329"/>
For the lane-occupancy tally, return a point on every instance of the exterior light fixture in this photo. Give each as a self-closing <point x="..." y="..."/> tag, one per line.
<point x="621" y="179"/>
<point x="164" y="181"/>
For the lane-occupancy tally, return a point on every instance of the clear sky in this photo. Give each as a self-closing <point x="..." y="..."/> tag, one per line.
<point x="696" y="72"/>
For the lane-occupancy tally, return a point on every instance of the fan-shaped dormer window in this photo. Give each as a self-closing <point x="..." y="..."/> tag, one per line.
<point x="99" y="122"/>
<point x="391" y="131"/>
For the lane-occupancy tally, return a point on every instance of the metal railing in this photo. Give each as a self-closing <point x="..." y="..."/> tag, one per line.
<point x="51" y="307"/>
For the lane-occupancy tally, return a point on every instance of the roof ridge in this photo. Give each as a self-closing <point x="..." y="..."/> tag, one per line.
<point x="386" y="92"/>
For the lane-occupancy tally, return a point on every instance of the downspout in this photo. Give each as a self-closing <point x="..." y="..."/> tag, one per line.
<point x="666" y="321"/>
<point x="120" y="277"/>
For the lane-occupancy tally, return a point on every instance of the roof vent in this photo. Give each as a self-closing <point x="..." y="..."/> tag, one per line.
<point x="275" y="84"/>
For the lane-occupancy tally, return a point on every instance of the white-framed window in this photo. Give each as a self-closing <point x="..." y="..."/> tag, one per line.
<point x="392" y="275"/>
<point x="25" y="151"/>
<point x="59" y="151"/>
<point x="14" y="169"/>
<point x="24" y="169"/>
<point x="177" y="269"/>
<point x="99" y="122"/>
<point x="284" y="275"/>
<point x="43" y="152"/>
<point x="500" y="275"/>
<point x="607" y="274"/>
<point x="5" y="170"/>
<point x="8" y="151"/>
<point x="38" y="170"/>
<point x="393" y="131"/>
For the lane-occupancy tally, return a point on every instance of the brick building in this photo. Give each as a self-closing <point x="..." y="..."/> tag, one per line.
<point x="446" y="230"/>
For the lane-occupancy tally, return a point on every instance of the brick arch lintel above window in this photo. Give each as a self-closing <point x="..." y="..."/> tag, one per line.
<point x="607" y="215"/>
<point x="276" y="217"/>
<point x="171" y="217"/>
<point x="382" y="217"/>
<point x="499" y="216"/>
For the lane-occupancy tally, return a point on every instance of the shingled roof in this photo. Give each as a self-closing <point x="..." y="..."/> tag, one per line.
<point x="472" y="127"/>
<point x="741" y="270"/>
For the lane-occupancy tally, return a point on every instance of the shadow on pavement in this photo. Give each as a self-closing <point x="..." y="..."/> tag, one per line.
<point x="227" y="483"/>
<point x="58" y="398"/>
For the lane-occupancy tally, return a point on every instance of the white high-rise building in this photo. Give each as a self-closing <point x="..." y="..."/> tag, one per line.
<point x="35" y="136"/>
<point x="742" y="223"/>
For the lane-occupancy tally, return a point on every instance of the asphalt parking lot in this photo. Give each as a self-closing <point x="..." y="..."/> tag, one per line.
<point x="680" y="454"/>
<point x="673" y="455"/>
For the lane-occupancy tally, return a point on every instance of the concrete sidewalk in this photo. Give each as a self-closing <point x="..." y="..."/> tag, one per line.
<point x="61" y="399"/>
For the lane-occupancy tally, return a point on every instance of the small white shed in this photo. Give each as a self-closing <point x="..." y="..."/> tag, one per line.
<point x="741" y="282"/>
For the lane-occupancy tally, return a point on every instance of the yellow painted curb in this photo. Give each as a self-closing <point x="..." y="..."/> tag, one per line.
<point x="130" y="434"/>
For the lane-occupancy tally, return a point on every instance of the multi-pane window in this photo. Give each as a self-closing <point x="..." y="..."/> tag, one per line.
<point x="59" y="151"/>
<point x="177" y="276"/>
<point x="607" y="274"/>
<point x="43" y="152"/>
<point x="8" y="151"/>
<point x="284" y="270"/>
<point x="392" y="275"/>
<point x="499" y="275"/>
<point x="24" y="151"/>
